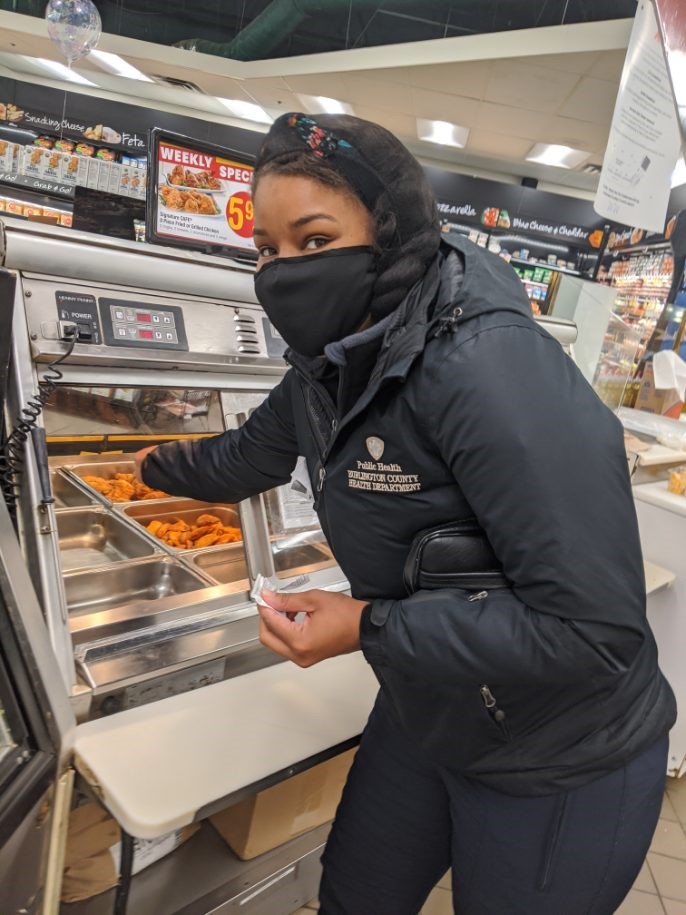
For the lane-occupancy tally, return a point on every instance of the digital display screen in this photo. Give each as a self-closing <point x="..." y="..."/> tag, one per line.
<point x="145" y="335"/>
<point x="143" y="317"/>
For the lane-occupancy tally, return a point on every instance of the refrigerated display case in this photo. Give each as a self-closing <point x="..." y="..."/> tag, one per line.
<point x="589" y="305"/>
<point x="540" y="284"/>
<point x="642" y="281"/>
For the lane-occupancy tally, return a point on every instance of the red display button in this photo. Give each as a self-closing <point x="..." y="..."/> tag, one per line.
<point x="145" y="335"/>
<point x="143" y="317"/>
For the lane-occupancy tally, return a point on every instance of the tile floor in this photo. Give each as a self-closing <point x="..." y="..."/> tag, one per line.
<point x="660" y="888"/>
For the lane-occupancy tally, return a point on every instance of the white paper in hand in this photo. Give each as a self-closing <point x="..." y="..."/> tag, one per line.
<point x="263" y="583"/>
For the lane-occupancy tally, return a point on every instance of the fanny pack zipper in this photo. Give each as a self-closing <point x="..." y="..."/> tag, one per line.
<point x="497" y="714"/>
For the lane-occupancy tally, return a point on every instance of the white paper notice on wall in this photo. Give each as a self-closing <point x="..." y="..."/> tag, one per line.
<point x="645" y="139"/>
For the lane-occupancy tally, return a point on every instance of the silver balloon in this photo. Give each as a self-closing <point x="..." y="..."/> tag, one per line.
<point x="74" y="26"/>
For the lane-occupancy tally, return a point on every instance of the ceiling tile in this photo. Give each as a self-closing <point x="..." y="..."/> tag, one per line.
<point x="365" y="90"/>
<point x="399" y="124"/>
<point x="212" y="84"/>
<point x="275" y="101"/>
<point x="495" y="144"/>
<point x="328" y="84"/>
<point x="609" y="66"/>
<point x="592" y="100"/>
<point x="575" y="133"/>
<point x="390" y="75"/>
<point x="469" y="80"/>
<point x="524" y="85"/>
<point x="579" y="63"/>
<point x="515" y="122"/>
<point x="442" y="107"/>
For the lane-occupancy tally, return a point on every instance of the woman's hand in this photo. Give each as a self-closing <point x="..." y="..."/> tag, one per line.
<point x="331" y="625"/>
<point x="139" y="457"/>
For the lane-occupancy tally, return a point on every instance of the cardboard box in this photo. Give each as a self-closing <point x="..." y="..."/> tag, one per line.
<point x="94" y="851"/>
<point x="651" y="400"/>
<point x="289" y="809"/>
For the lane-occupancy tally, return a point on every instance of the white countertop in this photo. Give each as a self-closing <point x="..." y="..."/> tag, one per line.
<point x="660" y="454"/>
<point x="657" y="578"/>
<point x="156" y="766"/>
<point x="658" y="494"/>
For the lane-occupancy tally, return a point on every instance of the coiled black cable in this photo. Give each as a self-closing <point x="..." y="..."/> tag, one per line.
<point x="14" y="447"/>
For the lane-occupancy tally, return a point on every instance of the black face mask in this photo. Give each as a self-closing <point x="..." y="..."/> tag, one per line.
<point x="319" y="298"/>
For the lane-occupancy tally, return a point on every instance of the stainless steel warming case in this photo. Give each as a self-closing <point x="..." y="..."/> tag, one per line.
<point x="170" y="345"/>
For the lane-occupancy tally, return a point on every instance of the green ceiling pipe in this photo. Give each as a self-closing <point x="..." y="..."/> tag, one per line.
<point x="281" y="18"/>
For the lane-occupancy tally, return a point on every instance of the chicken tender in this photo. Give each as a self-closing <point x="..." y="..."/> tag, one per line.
<point x="206" y="530"/>
<point x="123" y="487"/>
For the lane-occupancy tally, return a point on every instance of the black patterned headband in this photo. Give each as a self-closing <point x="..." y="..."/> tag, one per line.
<point x="343" y="157"/>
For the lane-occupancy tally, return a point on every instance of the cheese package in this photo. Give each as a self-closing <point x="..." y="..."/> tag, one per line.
<point x="32" y="161"/>
<point x="51" y="166"/>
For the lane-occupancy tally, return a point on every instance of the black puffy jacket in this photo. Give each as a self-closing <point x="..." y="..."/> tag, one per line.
<point x="472" y="409"/>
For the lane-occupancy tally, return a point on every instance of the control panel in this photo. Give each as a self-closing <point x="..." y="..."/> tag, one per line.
<point x="115" y="326"/>
<point x="80" y="309"/>
<point x="127" y="323"/>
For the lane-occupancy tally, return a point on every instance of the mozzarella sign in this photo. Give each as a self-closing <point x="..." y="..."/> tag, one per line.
<point x="202" y="198"/>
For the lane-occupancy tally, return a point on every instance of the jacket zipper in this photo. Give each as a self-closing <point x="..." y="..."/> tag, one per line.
<point x="497" y="714"/>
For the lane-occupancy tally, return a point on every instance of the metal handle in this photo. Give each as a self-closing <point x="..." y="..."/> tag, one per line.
<point x="40" y="449"/>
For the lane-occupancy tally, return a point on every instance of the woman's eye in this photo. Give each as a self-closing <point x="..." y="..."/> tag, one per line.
<point x="317" y="242"/>
<point x="267" y="251"/>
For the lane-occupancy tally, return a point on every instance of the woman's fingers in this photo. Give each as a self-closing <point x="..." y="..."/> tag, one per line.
<point x="272" y="641"/>
<point x="299" y="602"/>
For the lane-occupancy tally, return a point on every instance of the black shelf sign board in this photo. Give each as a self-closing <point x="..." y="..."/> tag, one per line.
<point x="40" y="185"/>
<point x="491" y="206"/>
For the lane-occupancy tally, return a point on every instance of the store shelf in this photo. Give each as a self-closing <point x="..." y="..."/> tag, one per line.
<point x="204" y="873"/>
<point x="545" y="266"/>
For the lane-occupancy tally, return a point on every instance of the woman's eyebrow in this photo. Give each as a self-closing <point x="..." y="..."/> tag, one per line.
<point x="303" y="220"/>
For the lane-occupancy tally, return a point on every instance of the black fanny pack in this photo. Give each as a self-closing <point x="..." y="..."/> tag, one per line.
<point x="456" y="555"/>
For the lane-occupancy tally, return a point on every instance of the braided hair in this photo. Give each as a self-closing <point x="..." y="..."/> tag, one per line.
<point x="366" y="160"/>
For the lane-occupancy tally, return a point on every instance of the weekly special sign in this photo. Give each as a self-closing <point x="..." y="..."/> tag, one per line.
<point x="201" y="196"/>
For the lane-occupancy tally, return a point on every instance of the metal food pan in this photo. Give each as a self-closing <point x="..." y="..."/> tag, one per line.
<point x="223" y="564"/>
<point x="126" y="583"/>
<point x="226" y="564"/>
<point x="97" y="466"/>
<point x="68" y="494"/>
<point x="301" y="559"/>
<point x="187" y="510"/>
<point x="92" y="537"/>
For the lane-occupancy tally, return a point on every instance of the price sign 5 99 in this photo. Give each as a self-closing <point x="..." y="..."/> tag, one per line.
<point x="240" y="214"/>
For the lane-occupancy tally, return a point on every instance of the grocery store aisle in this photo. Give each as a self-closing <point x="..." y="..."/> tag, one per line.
<point x="661" y="886"/>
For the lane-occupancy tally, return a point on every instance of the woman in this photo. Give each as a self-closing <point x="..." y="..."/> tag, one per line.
<point x="519" y="735"/>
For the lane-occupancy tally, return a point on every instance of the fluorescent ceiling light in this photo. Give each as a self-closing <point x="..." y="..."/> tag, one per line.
<point x="62" y="71"/>
<point x="117" y="65"/>
<point x="560" y="156"/>
<point x="679" y="173"/>
<point x="320" y="104"/>
<point x="248" y="111"/>
<point x="442" y="132"/>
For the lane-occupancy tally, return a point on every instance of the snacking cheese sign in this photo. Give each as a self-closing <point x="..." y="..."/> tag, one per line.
<point x="203" y="198"/>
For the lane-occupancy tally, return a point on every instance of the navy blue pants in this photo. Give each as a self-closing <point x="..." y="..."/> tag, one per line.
<point x="401" y="824"/>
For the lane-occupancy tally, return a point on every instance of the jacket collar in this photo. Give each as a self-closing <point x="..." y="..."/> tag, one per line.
<point x="406" y="330"/>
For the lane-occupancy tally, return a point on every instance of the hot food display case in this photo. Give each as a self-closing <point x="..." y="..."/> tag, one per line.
<point x="145" y="595"/>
